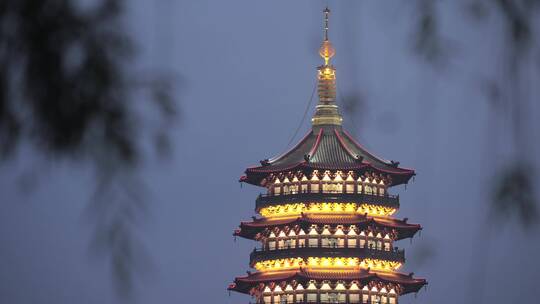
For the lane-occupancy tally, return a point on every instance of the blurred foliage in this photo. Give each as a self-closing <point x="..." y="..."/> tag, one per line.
<point x="424" y="252"/>
<point x="118" y="210"/>
<point x="428" y="42"/>
<point x="68" y="89"/>
<point x="514" y="194"/>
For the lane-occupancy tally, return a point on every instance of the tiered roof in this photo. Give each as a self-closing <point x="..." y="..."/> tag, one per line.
<point x="302" y="275"/>
<point x="327" y="147"/>
<point x="405" y="230"/>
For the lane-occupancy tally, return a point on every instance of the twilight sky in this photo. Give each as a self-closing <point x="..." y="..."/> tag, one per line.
<point x="247" y="69"/>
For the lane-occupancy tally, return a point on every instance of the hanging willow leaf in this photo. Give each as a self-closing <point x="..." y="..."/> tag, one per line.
<point x="514" y="195"/>
<point x="67" y="88"/>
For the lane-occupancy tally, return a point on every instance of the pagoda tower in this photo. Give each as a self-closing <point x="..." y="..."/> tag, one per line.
<point x="326" y="228"/>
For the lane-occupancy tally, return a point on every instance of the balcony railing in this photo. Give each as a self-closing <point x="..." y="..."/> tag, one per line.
<point x="260" y="254"/>
<point x="322" y="301"/>
<point x="265" y="200"/>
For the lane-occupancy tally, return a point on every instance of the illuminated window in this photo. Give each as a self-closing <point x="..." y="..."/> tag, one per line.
<point x="313" y="242"/>
<point x="332" y="298"/>
<point x="349" y="188"/>
<point x="293" y="189"/>
<point x="325" y="242"/>
<point x="351" y="242"/>
<point x="387" y="246"/>
<point x="354" y="298"/>
<point x="326" y="188"/>
<point x="367" y="189"/>
<point x="332" y="242"/>
<point x="325" y="298"/>
<point x="272" y="245"/>
<point x="287" y="243"/>
<point x="301" y="242"/>
<point x="292" y="243"/>
<point x="311" y="297"/>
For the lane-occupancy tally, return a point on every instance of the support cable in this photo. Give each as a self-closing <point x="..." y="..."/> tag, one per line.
<point x="308" y="106"/>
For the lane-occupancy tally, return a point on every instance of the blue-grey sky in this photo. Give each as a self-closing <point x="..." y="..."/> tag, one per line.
<point x="247" y="69"/>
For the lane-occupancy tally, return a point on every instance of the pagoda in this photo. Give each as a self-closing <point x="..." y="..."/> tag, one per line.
<point x="326" y="228"/>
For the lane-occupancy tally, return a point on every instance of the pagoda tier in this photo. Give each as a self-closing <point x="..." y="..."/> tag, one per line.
<point x="393" y="258"/>
<point x="327" y="147"/>
<point x="262" y="227"/>
<point x="373" y="198"/>
<point x="303" y="281"/>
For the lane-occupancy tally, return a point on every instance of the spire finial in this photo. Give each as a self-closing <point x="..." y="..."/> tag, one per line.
<point x="327" y="50"/>
<point x="326" y="13"/>
<point x="327" y="112"/>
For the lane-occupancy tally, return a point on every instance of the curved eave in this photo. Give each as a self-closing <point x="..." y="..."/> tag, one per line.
<point x="249" y="230"/>
<point x="256" y="175"/>
<point x="245" y="284"/>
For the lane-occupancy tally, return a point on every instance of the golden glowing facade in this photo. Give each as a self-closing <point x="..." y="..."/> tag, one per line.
<point x="288" y="210"/>
<point x="326" y="263"/>
<point x="326" y="228"/>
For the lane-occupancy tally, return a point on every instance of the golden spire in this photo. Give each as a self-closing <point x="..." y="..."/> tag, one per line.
<point x="327" y="111"/>
<point x="326" y="51"/>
